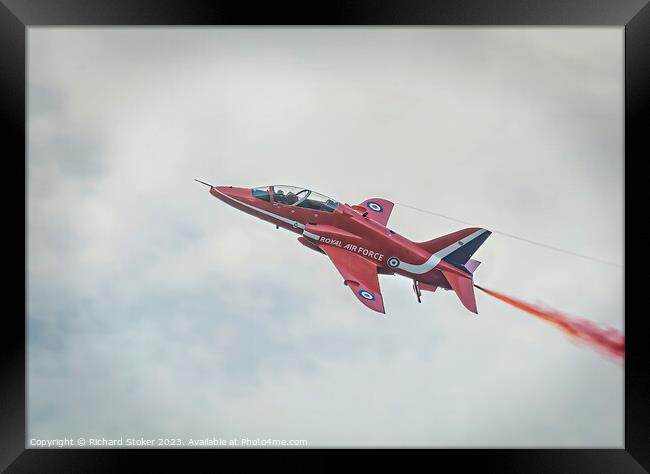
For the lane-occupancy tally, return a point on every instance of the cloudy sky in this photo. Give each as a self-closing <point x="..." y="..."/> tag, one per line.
<point x="155" y="310"/>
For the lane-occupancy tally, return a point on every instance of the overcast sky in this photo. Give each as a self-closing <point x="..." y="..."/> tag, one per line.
<point x="155" y="310"/>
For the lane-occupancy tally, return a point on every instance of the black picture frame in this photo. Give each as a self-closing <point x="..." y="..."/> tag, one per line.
<point x="17" y="15"/>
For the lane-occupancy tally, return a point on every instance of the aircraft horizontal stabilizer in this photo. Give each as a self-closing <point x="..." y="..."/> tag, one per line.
<point x="464" y="288"/>
<point x="472" y="265"/>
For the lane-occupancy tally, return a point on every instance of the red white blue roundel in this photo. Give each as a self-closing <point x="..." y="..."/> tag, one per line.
<point x="374" y="206"/>
<point x="366" y="295"/>
<point x="393" y="262"/>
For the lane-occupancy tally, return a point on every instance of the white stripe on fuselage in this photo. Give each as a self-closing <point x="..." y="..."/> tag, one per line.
<point x="425" y="267"/>
<point x="262" y="211"/>
<point x="310" y="235"/>
<point x="435" y="259"/>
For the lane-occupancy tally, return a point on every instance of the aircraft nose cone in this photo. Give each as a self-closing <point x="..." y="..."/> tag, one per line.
<point x="219" y="191"/>
<point x="230" y="191"/>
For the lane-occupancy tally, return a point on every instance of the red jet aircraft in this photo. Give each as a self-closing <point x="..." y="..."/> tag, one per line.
<point x="359" y="244"/>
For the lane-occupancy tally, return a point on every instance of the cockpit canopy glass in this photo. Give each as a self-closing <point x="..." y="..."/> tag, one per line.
<point x="262" y="193"/>
<point x="302" y="197"/>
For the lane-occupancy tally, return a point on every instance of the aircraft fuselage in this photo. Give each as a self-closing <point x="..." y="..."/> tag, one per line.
<point x="347" y="229"/>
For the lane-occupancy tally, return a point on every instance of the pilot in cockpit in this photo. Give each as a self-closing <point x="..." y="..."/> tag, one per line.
<point x="287" y="199"/>
<point x="279" y="197"/>
<point x="291" y="198"/>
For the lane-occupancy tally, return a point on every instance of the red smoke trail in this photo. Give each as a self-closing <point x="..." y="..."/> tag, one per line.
<point x="609" y="340"/>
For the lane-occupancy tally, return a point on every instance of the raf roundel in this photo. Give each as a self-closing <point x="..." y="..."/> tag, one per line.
<point x="375" y="206"/>
<point x="366" y="295"/>
<point x="393" y="262"/>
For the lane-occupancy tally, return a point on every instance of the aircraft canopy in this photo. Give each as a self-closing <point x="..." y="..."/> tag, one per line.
<point x="297" y="196"/>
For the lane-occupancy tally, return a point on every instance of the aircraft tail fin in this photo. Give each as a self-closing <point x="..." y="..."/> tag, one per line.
<point x="458" y="247"/>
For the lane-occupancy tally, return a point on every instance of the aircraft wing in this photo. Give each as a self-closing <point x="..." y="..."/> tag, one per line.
<point x="378" y="209"/>
<point x="359" y="274"/>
